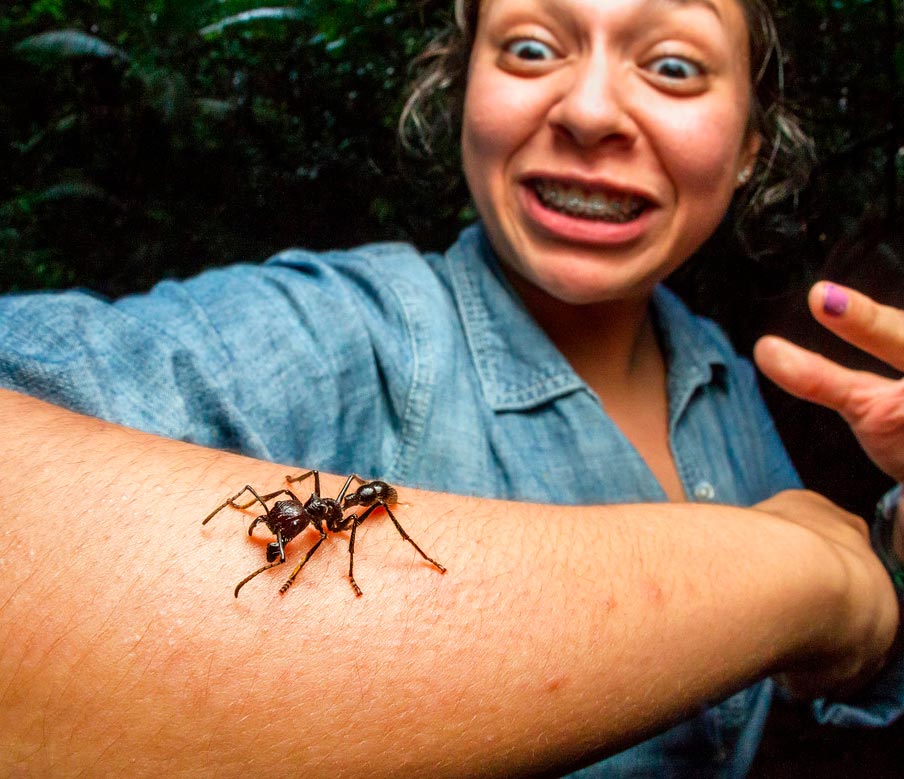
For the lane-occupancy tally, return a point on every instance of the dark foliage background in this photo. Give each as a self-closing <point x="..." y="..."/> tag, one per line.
<point x="149" y="139"/>
<point x="154" y="138"/>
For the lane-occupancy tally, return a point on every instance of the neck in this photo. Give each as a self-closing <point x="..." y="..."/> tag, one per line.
<point x="613" y="347"/>
<point x="609" y="344"/>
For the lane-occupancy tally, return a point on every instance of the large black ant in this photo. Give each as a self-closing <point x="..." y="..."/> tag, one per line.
<point x="287" y="518"/>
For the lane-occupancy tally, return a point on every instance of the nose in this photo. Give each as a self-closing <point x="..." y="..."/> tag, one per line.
<point x="591" y="108"/>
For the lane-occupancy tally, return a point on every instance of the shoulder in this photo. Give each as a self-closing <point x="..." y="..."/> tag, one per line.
<point x="371" y="269"/>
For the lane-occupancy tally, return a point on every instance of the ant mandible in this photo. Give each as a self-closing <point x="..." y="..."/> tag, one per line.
<point x="287" y="518"/>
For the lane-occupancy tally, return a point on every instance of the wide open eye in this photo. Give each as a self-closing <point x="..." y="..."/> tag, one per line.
<point x="675" y="68"/>
<point x="530" y="49"/>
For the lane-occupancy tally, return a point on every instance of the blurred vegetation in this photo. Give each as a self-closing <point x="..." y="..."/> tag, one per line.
<point x="153" y="138"/>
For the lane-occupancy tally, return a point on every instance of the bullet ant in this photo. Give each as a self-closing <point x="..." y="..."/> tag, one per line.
<point x="288" y="518"/>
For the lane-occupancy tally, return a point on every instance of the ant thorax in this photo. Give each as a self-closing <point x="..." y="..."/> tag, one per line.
<point x="326" y="510"/>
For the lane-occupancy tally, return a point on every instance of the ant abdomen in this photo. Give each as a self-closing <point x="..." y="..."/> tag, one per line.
<point x="370" y="493"/>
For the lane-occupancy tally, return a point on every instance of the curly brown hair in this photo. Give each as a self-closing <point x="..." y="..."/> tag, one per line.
<point x="431" y="118"/>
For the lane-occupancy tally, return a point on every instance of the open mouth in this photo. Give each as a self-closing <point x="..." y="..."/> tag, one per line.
<point x="596" y="204"/>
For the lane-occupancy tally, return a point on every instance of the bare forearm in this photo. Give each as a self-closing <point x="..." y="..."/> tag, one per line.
<point x="557" y="634"/>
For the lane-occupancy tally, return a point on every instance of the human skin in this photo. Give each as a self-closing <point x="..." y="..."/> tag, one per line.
<point x="630" y="99"/>
<point x="558" y="635"/>
<point x="640" y="107"/>
<point x="549" y="643"/>
<point x="872" y="405"/>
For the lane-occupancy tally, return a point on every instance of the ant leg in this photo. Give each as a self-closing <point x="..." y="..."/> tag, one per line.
<point x="352" y="478"/>
<point x="282" y="559"/>
<point x="351" y="553"/>
<point x="288" y="582"/>
<point x="266" y="497"/>
<point x="402" y="532"/>
<point x="254" y="524"/>
<point x="263" y="568"/>
<point x="315" y="474"/>
<point x="231" y="502"/>
<point x="348" y="482"/>
<point x="257" y="499"/>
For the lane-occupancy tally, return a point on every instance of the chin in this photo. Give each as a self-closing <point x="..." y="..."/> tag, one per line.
<point x="583" y="287"/>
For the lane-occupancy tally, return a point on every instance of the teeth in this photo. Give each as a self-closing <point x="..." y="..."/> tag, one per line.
<point x="593" y="205"/>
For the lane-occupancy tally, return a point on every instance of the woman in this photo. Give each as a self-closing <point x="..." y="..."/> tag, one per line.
<point x="538" y="361"/>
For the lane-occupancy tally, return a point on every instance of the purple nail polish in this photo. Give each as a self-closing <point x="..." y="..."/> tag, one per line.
<point x="835" y="301"/>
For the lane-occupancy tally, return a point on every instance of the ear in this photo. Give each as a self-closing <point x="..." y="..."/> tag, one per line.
<point x="747" y="157"/>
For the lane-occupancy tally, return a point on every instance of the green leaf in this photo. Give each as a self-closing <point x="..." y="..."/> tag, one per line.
<point x="65" y="44"/>
<point x="215" y="108"/>
<point x="68" y="191"/>
<point x="25" y="203"/>
<point x="280" y="14"/>
<point x="62" y="125"/>
<point x="167" y="93"/>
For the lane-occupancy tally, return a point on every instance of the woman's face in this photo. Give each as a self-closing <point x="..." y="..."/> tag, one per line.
<point x="603" y="139"/>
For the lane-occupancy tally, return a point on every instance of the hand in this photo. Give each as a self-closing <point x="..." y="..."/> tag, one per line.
<point x="842" y="654"/>
<point x="871" y="404"/>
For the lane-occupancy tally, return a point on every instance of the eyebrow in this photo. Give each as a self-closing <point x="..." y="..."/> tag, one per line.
<point x="705" y="3"/>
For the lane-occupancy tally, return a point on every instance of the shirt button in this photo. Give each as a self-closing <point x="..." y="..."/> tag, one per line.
<point x="704" y="491"/>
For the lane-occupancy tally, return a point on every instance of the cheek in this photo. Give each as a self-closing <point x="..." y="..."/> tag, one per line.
<point x="498" y="119"/>
<point x="476" y="135"/>
<point x="483" y="145"/>
<point x="486" y="142"/>
<point x="701" y="152"/>
<point x="476" y="149"/>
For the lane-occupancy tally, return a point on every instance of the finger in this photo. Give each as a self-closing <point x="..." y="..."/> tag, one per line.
<point x="859" y="320"/>
<point x="809" y="375"/>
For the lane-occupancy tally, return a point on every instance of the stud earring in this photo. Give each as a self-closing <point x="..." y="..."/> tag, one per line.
<point x="744" y="176"/>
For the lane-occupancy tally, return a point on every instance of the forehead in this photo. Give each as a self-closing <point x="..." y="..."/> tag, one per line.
<point x="727" y="11"/>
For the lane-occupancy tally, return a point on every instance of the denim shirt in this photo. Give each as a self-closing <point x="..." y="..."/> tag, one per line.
<point x="424" y="370"/>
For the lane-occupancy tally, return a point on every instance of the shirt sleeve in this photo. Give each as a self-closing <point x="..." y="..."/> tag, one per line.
<point x="288" y="361"/>
<point x="143" y="362"/>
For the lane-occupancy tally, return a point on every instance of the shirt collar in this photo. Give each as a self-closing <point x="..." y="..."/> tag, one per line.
<point x="696" y="351"/>
<point x="518" y="366"/>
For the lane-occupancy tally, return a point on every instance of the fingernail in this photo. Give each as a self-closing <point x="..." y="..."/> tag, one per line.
<point x="835" y="301"/>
